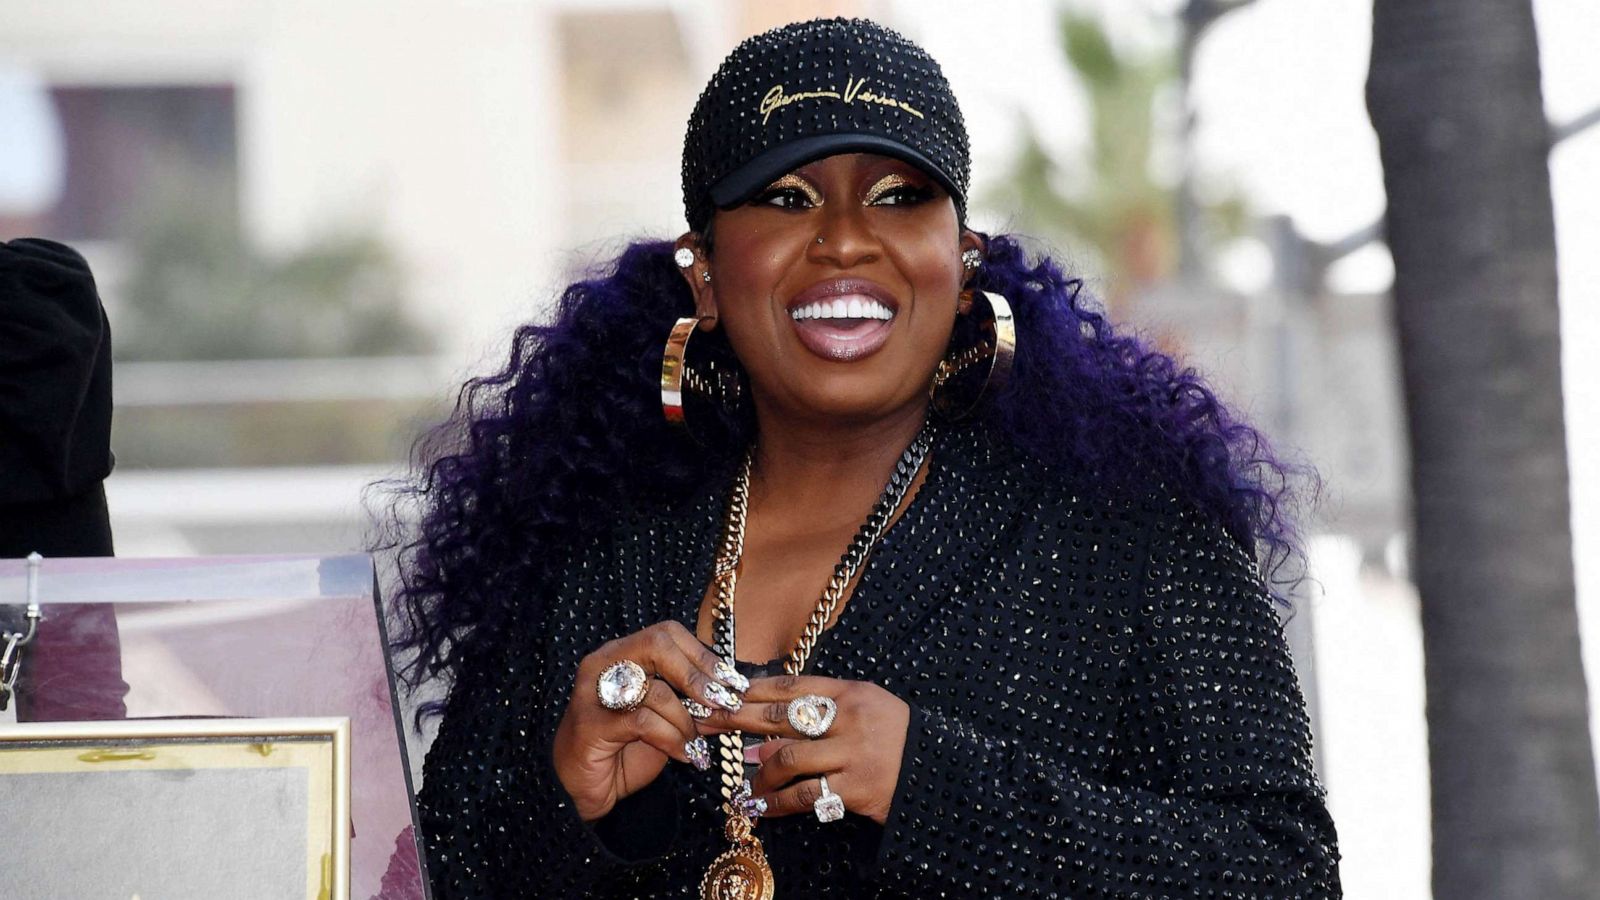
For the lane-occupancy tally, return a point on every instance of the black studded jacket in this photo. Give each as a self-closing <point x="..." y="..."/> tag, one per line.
<point x="1102" y="705"/>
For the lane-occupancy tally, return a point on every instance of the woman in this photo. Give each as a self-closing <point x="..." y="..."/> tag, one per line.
<point x="805" y="631"/>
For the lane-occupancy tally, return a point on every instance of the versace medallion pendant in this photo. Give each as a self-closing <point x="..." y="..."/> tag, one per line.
<point x="741" y="872"/>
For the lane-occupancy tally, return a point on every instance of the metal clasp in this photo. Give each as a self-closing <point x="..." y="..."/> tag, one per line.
<point x="11" y="657"/>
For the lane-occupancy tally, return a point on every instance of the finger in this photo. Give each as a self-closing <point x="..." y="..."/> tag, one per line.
<point x="689" y="666"/>
<point x="788" y="687"/>
<point x="666" y="650"/>
<point x="765" y="749"/>
<point x="795" y="760"/>
<point x="646" y="725"/>
<point x="802" y="797"/>
<point x="770" y="718"/>
<point x="664" y="700"/>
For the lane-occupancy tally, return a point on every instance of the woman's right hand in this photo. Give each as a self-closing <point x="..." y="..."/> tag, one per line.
<point x="602" y="755"/>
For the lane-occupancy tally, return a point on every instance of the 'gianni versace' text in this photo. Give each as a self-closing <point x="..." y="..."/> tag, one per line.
<point x="854" y="89"/>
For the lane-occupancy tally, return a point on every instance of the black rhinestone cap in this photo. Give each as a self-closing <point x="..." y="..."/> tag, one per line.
<point x="813" y="89"/>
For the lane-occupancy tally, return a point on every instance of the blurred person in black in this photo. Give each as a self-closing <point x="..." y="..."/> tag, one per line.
<point x="55" y="453"/>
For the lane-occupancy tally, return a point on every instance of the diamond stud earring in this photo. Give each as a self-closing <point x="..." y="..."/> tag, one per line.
<point x="684" y="257"/>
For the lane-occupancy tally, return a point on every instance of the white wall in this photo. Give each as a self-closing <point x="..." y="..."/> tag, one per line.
<point x="431" y="122"/>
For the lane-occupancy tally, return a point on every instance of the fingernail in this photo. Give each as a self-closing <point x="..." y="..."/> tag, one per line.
<point x="696" y="709"/>
<point x="723" y="697"/>
<point x="731" y="677"/>
<point x="752" y="754"/>
<point x="747" y="807"/>
<point x="699" y="753"/>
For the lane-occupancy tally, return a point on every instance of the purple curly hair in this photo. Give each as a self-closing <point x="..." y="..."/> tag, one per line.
<point x="549" y="450"/>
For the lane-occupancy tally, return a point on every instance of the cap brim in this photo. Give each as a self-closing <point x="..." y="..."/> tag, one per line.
<point x="746" y="181"/>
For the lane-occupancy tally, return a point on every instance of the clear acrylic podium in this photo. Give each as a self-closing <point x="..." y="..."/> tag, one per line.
<point x="142" y="646"/>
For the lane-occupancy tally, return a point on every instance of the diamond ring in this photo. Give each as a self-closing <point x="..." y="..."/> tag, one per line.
<point x="622" y="685"/>
<point x="830" y="806"/>
<point x="812" y="715"/>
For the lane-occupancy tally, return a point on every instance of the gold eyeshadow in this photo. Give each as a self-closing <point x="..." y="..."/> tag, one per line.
<point x="883" y="186"/>
<point x="795" y="182"/>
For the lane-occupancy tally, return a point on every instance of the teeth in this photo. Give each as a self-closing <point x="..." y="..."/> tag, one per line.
<point x="854" y="308"/>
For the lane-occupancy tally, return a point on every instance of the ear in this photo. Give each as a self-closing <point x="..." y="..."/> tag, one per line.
<point x="704" y="291"/>
<point x="969" y="240"/>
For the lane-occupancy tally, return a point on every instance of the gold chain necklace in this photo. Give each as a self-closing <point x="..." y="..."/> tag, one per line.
<point x="741" y="872"/>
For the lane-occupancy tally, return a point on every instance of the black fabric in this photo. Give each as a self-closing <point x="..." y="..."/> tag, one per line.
<point x="1102" y="702"/>
<point x="55" y="375"/>
<point x="814" y="89"/>
<point x="76" y="526"/>
<point x="55" y="452"/>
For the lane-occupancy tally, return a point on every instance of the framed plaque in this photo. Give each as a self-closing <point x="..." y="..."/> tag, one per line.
<point x="177" y="808"/>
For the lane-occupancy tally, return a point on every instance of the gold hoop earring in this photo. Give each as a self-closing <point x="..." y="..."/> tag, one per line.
<point x="677" y="377"/>
<point x="952" y="393"/>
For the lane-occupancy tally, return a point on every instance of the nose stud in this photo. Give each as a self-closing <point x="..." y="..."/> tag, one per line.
<point x="819" y="238"/>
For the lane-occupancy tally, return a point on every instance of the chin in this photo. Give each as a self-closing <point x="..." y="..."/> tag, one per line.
<point x="853" y="397"/>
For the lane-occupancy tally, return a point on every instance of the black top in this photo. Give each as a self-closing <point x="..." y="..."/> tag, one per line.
<point x="55" y="384"/>
<point x="1102" y="704"/>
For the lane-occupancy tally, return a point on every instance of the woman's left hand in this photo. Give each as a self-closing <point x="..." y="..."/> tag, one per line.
<point x="860" y="753"/>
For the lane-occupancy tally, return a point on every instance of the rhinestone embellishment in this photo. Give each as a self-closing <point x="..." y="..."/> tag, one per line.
<point x="699" y="753"/>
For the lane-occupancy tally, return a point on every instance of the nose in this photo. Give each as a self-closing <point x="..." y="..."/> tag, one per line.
<point x="846" y="238"/>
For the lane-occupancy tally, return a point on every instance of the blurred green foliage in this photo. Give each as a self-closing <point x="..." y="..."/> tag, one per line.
<point x="197" y="290"/>
<point x="1113" y="200"/>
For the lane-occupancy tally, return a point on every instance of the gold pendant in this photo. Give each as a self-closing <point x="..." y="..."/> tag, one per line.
<point x="741" y="872"/>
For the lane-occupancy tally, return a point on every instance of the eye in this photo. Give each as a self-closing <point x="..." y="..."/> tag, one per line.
<point x="904" y="195"/>
<point x="897" y="190"/>
<point x="784" y="198"/>
<point x="789" y="192"/>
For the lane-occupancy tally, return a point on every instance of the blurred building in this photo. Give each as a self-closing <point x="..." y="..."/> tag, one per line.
<point x="495" y="149"/>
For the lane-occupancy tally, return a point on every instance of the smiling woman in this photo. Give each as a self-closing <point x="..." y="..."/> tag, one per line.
<point x="1029" y="651"/>
<point x="836" y="285"/>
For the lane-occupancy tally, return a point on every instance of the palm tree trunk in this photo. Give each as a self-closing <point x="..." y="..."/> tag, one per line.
<point x="1454" y="95"/>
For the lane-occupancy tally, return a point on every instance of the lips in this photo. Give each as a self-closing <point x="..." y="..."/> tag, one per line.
<point x="843" y="319"/>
